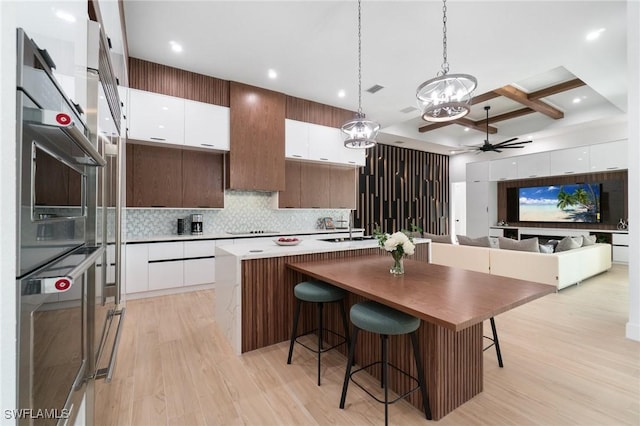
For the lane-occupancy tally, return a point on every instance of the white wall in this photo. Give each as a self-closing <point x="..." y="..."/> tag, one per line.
<point x="633" y="71"/>
<point x="7" y="210"/>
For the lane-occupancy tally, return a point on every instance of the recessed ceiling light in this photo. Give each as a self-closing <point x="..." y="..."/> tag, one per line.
<point x="165" y="108"/>
<point x="466" y="129"/>
<point x="594" y="35"/>
<point x="65" y="16"/>
<point x="176" y="47"/>
<point x="273" y="73"/>
<point x="342" y="94"/>
<point x="577" y="100"/>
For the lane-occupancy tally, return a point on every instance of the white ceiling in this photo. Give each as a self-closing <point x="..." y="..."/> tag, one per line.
<point x="313" y="47"/>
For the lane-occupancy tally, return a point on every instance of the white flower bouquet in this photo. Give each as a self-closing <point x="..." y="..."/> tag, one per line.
<point x="398" y="244"/>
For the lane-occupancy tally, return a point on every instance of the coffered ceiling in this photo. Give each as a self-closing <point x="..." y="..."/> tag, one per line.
<point x="518" y="50"/>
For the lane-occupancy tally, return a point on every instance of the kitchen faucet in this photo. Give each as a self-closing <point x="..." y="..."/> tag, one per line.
<point x="350" y="225"/>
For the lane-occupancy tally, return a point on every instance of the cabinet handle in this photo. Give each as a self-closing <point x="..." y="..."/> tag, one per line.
<point x="533" y="176"/>
<point x="612" y="168"/>
<point x="352" y="162"/>
<point x="297" y="156"/>
<point x="324" y="159"/>
<point x="568" y="173"/>
<point x="157" y="139"/>
<point x="207" y="144"/>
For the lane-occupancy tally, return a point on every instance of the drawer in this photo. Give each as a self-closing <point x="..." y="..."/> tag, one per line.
<point x="162" y="251"/>
<point x="620" y="254"/>
<point x="199" y="271"/>
<point x="199" y="248"/>
<point x="166" y="275"/>
<point x="620" y="239"/>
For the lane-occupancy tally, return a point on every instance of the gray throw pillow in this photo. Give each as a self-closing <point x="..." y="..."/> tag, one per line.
<point x="439" y="238"/>
<point x="529" y="244"/>
<point x="569" y="243"/>
<point x="588" y="240"/>
<point x="477" y="242"/>
<point x="546" y="248"/>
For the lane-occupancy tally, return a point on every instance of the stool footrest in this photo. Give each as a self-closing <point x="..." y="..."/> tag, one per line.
<point x="409" y="392"/>
<point x="316" y="349"/>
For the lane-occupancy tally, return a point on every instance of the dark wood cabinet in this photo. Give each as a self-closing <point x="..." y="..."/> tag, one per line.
<point x="315" y="182"/>
<point x="314" y="185"/>
<point x="290" y="197"/>
<point x="343" y="187"/>
<point x="202" y="180"/>
<point x="256" y="160"/>
<point x="170" y="177"/>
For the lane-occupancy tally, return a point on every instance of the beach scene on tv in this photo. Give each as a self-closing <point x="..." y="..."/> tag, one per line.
<point x="562" y="203"/>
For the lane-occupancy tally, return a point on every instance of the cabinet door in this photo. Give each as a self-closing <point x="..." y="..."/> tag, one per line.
<point x="315" y="182"/>
<point x="290" y="197"/>
<point x="343" y="187"/>
<point x="503" y="169"/>
<point x="478" y="172"/>
<point x="352" y="156"/>
<point x="199" y="271"/>
<point x="137" y="268"/>
<point x="157" y="176"/>
<point x="296" y="138"/>
<point x="608" y="156"/>
<point x="156" y="118"/>
<point x="569" y="161"/>
<point x="202" y="179"/>
<point x="325" y="143"/>
<point x="168" y="274"/>
<point x="533" y="165"/>
<point x="206" y="125"/>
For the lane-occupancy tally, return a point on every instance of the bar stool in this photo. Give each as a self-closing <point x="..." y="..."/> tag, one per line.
<point x="383" y="320"/>
<point x="317" y="292"/>
<point x="494" y="342"/>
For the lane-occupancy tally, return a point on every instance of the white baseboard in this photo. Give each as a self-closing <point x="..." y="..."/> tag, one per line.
<point x="168" y="291"/>
<point x="633" y="331"/>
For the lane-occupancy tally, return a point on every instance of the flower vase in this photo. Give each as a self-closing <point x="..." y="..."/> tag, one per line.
<point x="398" y="265"/>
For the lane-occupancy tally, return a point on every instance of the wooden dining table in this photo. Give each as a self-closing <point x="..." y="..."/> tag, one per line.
<point x="452" y="304"/>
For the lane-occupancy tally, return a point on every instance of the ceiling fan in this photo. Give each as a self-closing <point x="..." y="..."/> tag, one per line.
<point x="509" y="143"/>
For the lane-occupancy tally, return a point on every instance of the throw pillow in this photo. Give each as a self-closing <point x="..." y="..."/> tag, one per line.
<point x="569" y="243"/>
<point x="546" y="248"/>
<point x="529" y="244"/>
<point x="476" y="242"/>
<point x="588" y="240"/>
<point x="446" y="239"/>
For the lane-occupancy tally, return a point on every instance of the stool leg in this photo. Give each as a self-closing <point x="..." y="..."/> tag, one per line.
<point x="382" y="363"/>
<point x="421" y="382"/>
<point x="296" y="316"/>
<point x="345" y="324"/>
<point x="385" y="376"/>
<point x="347" y="374"/>
<point x="495" y="341"/>
<point x="320" y="305"/>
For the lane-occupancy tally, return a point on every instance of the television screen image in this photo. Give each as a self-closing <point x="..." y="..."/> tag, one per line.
<point x="561" y="203"/>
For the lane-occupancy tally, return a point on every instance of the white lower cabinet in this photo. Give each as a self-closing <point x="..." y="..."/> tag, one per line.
<point x="199" y="271"/>
<point x="166" y="274"/>
<point x="137" y="269"/>
<point x="620" y="247"/>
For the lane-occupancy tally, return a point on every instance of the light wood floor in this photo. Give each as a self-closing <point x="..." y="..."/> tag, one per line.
<point x="566" y="363"/>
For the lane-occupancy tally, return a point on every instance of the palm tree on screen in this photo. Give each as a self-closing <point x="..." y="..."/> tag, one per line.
<point x="565" y="199"/>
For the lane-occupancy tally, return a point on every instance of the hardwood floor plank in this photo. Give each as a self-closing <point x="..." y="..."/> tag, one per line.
<point x="566" y="363"/>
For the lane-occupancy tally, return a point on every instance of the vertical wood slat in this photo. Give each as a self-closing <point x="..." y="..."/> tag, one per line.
<point x="616" y="181"/>
<point x="267" y="316"/>
<point x="158" y="78"/>
<point x="399" y="187"/>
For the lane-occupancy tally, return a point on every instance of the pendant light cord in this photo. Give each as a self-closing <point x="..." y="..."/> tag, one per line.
<point x="359" y="62"/>
<point x="445" y="63"/>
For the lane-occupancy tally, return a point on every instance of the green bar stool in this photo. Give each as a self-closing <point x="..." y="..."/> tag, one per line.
<point x="320" y="293"/>
<point x="383" y="320"/>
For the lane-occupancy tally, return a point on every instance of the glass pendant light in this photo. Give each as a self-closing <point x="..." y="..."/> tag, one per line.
<point x="360" y="133"/>
<point x="447" y="96"/>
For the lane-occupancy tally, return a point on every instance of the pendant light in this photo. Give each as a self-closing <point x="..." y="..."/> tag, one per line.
<point x="447" y="96"/>
<point x="360" y="133"/>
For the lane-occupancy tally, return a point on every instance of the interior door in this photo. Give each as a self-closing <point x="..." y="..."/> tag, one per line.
<point x="459" y="208"/>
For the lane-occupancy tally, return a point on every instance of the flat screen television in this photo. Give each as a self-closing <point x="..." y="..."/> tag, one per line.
<point x="578" y="202"/>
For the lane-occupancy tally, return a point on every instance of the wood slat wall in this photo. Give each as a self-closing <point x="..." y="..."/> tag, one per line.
<point x="399" y="187"/>
<point x="614" y="187"/>
<point x="158" y="78"/>
<point x="268" y="305"/>
<point x="314" y="112"/>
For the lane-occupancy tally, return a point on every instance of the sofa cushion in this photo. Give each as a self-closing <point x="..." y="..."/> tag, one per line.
<point x="569" y="243"/>
<point x="588" y="240"/>
<point x="476" y="242"/>
<point x="439" y="238"/>
<point x="528" y="244"/>
<point x="546" y="248"/>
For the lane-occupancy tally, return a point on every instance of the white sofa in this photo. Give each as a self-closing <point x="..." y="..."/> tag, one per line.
<point x="558" y="269"/>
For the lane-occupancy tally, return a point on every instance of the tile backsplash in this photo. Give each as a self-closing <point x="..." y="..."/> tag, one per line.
<point x="243" y="211"/>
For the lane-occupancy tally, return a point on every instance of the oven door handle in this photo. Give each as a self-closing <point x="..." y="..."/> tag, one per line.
<point x="82" y="267"/>
<point x="107" y="373"/>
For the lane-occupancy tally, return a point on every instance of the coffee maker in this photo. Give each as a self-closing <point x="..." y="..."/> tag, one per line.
<point x="196" y="224"/>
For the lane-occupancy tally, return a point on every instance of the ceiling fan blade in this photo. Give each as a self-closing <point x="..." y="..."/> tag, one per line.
<point x="511" y="146"/>
<point x="497" y="150"/>
<point x="507" y="141"/>
<point x="516" y="143"/>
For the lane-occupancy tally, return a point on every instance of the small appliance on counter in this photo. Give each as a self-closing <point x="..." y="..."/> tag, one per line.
<point x="196" y="224"/>
<point x="180" y="226"/>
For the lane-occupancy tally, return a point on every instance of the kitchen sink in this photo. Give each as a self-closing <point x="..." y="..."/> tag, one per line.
<point x="343" y="239"/>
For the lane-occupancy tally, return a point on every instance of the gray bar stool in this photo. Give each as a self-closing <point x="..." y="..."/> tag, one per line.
<point x="320" y="293"/>
<point x="383" y="320"/>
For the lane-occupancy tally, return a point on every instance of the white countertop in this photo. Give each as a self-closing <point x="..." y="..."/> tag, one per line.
<point x="226" y="235"/>
<point x="264" y="249"/>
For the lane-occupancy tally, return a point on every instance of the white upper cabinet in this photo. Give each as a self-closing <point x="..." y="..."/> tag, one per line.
<point x="206" y="125"/>
<point x="569" y="161"/>
<point x="156" y="118"/>
<point x="533" y="165"/>
<point x="608" y="156"/>
<point x="478" y="172"/>
<point x="313" y="142"/>
<point x="296" y="138"/>
<point x="503" y="169"/>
